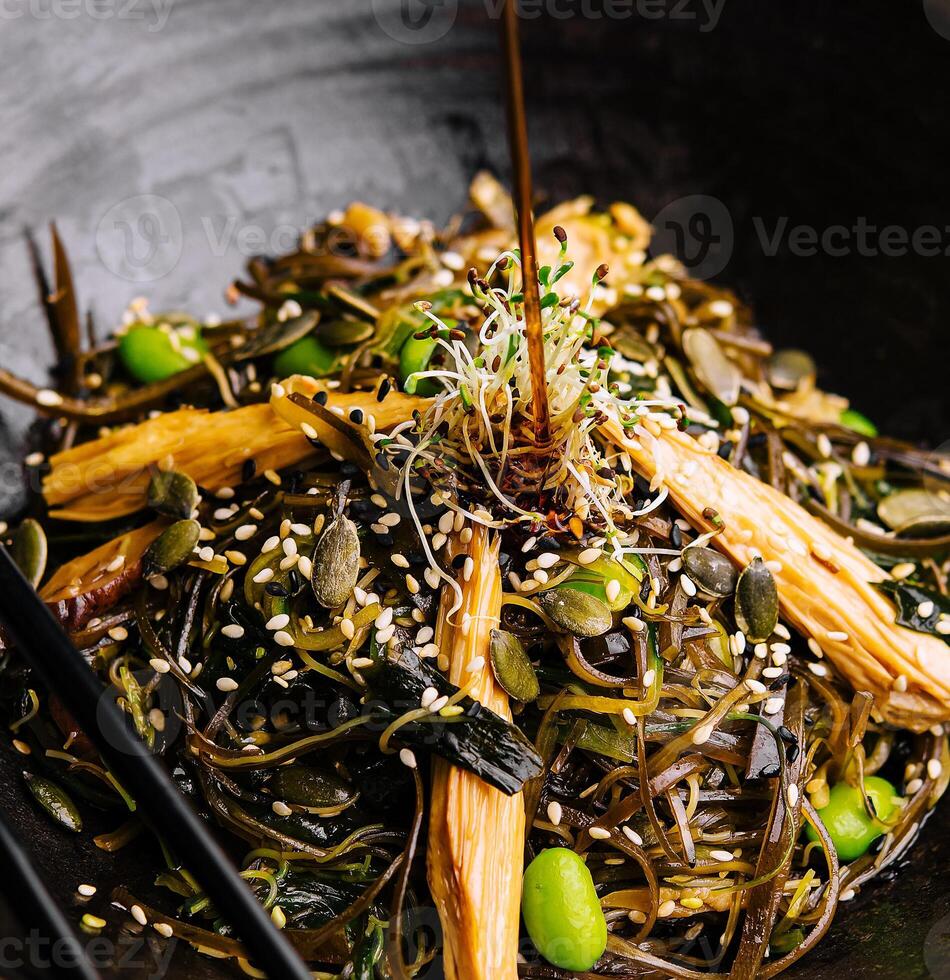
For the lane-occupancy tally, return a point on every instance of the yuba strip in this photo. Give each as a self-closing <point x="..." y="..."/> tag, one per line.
<point x="476" y="832"/>
<point x="824" y="582"/>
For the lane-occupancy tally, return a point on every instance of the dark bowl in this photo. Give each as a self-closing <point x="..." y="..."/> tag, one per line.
<point x="171" y="141"/>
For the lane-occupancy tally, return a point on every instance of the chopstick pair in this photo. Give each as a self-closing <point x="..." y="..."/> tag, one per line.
<point x="46" y="647"/>
<point x="35" y="908"/>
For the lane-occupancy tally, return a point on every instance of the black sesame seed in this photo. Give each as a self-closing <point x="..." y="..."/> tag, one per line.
<point x="787" y="734"/>
<point x="320" y="398"/>
<point x="770" y="772"/>
<point x="676" y="536"/>
<point x="383" y="390"/>
<point x="356" y="416"/>
<point x="458" y="561"/>
<point x="275" y="589"/>
<point x="382" y="461"/>
<point x="248" y="469"/>
<point x="791" y="753"/>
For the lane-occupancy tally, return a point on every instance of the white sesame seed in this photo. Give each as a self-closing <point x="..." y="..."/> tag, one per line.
<point x="264" y="575"/>
<point x="347" y="628"/>
<point x="224" y="493"/>
<point x="390" y="520"/>
<point x="360" y="663"/>
<point x="308" y="430"/>
<point x="233" y="631"/>
<point x="400" y="561"/>
<point x="281" y="808"/>
<point x="599" y="833"/>
<point x="637" y="917"/>
<point x="632" y="835"/>
<point x="688" y="587"/>
<point x="119" y="633"/>
<point x="633" y="624"/>
<point x="903" y="569"/>
<point x="667" y="908"/>
<point x="116" y="563"/>
<point x="824" y="445"/>
<point x="305" y="567"/>
<point x="412" y="584"/>
<point x="428" y="696"/>
<point x="547" y="559"/>
<point x="159" y="665"/>
<point x="925" y="609"/>
<point x="227" y="684"/>
<point x="468" y="568"/>
<point x="407" y="758"/>
<point x="721" y="855"/>
<point x="386" y="634"/>
<point x="277" y="622"/>
<point x="861" y="454"/>
<point x="702" y="734"/>
<point x="773" y="706"/>
<point x="913" y="786"/>
<point x="648" y="678"/>
<point x="425" y="634"/>
<point x="475" y="665"/>
<point x="35" y="459"/>
<point x="815" y="648"/>
<point x="289" y="547"/>
<point x="555" y="812"/>
<point x="589" y="555"/>
<point x="87" y="891"/>
<point x="629" y="717"/>
<point x="772" y="672"/>
<point x="900" y="683"/>
<point x="757" y="687"/>
<point x="819" y="670"/>
<point x="529" y="544"/>
<point x="791" y="794"/>
<point x="138" y="913"/>
<point x="439" y="703"/>
<point x="384" y="618"/>
<point x="49" y="398"/>
<point x="236" y="557"/>
<point x="943" y="627"/>
<point x="612" y="590"/>
<point x="934" y="768"/>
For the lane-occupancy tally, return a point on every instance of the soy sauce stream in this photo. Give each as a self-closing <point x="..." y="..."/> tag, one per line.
<point x="521" y="166"/>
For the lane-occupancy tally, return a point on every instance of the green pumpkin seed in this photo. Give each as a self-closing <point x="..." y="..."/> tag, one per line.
<point x="311" y="787"/>
<point x="513" y="670"/>
<point x="756" y="602"/>
<point x="576" y="612"/>
<point x="277" y="336"/>
<point x="173" y="547"/>
<point x="714" y="370"/>
<point x="171" y="493"/>
<point x="711" y="571"/>
<point x="30" y="550"/>
<point x="917" y="512"/>
<point x="787" y="369"/>
<point x="344" y="333"/>
<point x="55" y="801"/>
<point x="336" y="563"/>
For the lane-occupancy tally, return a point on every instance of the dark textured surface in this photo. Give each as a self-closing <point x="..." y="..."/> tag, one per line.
<point x="252" y="118"/>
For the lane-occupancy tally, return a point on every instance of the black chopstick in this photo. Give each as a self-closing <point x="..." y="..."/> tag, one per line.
<point x="49" y="651"/>
<point x="35" y="908"/>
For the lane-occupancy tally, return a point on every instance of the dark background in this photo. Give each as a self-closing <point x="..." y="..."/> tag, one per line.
<point x="248" y="119"/>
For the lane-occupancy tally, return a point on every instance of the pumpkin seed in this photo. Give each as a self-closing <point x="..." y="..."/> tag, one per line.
<point x="917" y="512"/>
<point x="55" y="801"/>
<point x="336" y="563"/>
<point x="30" y="551"/>
<point x="714" y="370"/>
<point x="344" y="333"/>
<point x="275" y="337"/>
<point x="171" y="548"/>
<point x="512" y="668"/>
<point x="171" y="493"/>
<point x="756" y="602"/>
<point x="576" y="612"/>
<point x="711" y="571"/>
<point x="787" y="369"/>
<point x="311" y="787"/>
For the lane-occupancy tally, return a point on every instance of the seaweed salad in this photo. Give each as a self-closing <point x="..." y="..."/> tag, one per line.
<point x="648" y="697"/>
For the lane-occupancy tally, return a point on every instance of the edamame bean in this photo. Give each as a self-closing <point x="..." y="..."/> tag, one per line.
<point x="847" y="821"/>
<point x="415" y="356"/>
<point x="306" y="356"/>
<point x="149" y="353"/>
<point x="561" y="910"/>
